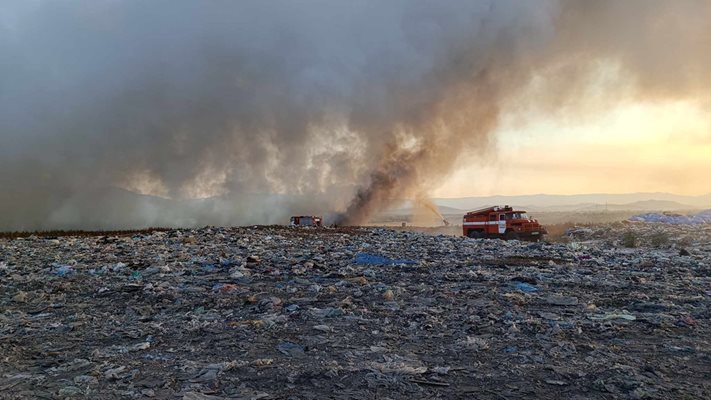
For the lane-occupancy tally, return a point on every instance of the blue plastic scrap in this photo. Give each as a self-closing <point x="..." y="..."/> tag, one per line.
<point x="525" y="287"/>
<point x="291" y="349"/>
<point x="292" y="307"/>
<point x="207" y="267"/>
<point x="511" y="349"/>
<point x="371" y="259"/>
<point x="62" y="270"/>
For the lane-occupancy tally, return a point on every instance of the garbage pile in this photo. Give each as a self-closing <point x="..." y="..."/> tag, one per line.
<point x="704" y="217"/>
<point x="640" y="234"/>
<point x="350" y="313"/>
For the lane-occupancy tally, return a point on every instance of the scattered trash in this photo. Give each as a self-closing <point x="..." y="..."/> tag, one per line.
<point x="430" y="383"/>
<point x="323" y="328"/>
<point x="561" y="300"/>
<point x="578" y="232"/>
<point x="291" y="349"/>
<point x="20" y="297"/>
<point x="549" y="316"/>
<point x="278" y="312"/>
<point x="610" y="316"/>
<point x="441" y="370"/>
<point x="557" y="383"/>
<point x="224" y="287"/>
<point x="370" y="259"/>
<point x="330" y="312"/>
<point x="703" y="217"/>
<point x="525" y="279"/>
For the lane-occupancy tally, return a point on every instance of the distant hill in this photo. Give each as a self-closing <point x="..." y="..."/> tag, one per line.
<point x="644" y="205"/>
<point x="582" y="202"/>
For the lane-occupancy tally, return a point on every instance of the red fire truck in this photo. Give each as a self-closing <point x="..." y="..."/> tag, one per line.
<point x="306" y="220"/>
<point x="501" y="222"/>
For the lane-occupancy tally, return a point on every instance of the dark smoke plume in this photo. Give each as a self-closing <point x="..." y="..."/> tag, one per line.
<point x="234" y="112"/>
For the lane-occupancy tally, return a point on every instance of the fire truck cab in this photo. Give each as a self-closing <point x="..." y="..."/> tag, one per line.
<point x="503" y="223"/>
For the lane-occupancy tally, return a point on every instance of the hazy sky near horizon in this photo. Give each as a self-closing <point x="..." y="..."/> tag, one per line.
<point x="634" y="147"/>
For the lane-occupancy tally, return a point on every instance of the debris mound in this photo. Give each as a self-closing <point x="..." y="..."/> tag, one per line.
<point x="703" y="217"/>
<point x="274" y="312"/>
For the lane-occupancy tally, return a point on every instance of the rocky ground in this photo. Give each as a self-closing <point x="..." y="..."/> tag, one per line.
<point x="615" y="311"/>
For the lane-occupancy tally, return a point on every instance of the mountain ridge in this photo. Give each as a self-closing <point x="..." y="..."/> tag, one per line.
<point x="640" y="200"/>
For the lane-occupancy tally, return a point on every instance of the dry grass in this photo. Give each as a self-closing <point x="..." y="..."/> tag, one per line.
<point x="556" y="232"/>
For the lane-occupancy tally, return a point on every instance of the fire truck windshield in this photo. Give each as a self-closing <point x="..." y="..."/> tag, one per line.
<point x="517" y="216"/>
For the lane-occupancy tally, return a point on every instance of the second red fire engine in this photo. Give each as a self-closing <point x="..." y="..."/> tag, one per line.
<point x="501" y="222"/>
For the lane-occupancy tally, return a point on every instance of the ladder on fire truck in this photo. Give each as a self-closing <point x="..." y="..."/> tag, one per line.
<point x="493" y="208"/>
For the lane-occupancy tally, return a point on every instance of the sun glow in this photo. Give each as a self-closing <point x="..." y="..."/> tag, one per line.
<point x="637" y="147"/>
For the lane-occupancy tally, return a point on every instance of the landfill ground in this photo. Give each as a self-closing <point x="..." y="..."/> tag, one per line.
<point x="301" y="313"/>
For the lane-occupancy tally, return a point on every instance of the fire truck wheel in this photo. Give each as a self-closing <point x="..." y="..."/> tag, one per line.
<point x="475" y="234"/>
<point x="511" y="235"/>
